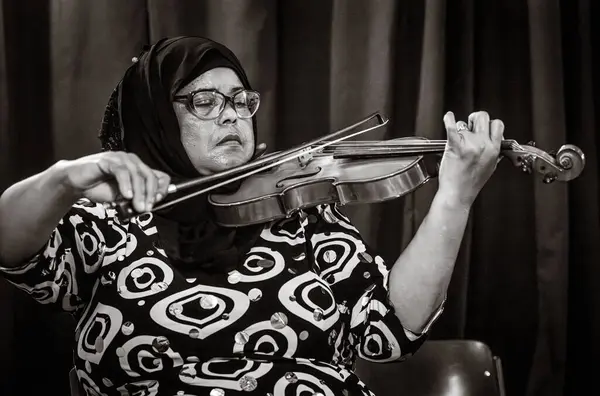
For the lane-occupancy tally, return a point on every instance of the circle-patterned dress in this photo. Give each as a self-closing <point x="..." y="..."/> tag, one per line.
<point x="308" y="299"/>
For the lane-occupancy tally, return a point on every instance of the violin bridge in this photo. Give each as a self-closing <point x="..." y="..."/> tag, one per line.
<point x="305" y="158"/>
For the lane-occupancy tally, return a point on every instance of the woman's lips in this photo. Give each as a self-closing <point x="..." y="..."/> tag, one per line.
<point x="230" y="139"/>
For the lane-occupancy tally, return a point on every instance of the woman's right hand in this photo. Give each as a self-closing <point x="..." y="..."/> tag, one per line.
<point x="106" y="176"/>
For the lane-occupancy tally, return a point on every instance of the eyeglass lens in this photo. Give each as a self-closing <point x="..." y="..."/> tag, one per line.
<point x="211" y="104"/>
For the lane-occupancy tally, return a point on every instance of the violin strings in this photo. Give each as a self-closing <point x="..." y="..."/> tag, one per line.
<point x="408" y="146"/>
<point x="355" y="149"/>
<point x="388" y="143"/>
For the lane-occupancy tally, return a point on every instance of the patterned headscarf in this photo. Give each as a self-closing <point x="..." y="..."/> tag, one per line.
<point x="139" y="118"/>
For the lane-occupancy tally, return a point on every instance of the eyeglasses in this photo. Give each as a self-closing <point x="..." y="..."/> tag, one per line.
<point x="208" y="104"/>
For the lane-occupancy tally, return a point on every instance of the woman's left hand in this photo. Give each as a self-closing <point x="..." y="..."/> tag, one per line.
<point x="471" y="155"/>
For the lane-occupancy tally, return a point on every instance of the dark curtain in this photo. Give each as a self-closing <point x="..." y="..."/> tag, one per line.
<point x="527" y="273"/>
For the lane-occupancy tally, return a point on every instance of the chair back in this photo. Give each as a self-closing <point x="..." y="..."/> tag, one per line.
<point x="74" y="384"/>
<point x="439" y="367"/>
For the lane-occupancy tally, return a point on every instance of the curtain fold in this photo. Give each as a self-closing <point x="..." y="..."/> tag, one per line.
<point x="526" y="277"/>
<point x="5" y="108"/>
<point x="6" y="291"/>
<point x="551" y="215"/>
<point x="581" y="52"/>
<point x="361" y="54"/>
<point x="92" y="43"/>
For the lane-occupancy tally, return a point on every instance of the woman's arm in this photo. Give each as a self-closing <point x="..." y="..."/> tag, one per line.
<point x="419" y="279"/>
<point x="29" y="211"/>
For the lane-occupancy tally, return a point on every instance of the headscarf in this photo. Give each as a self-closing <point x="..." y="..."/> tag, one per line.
<point x="139" y="118"/>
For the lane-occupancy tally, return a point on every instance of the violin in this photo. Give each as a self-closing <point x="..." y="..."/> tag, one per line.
<point x="333" y="169"/>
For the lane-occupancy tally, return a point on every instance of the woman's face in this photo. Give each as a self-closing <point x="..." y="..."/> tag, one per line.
<point x="221" y="143"/>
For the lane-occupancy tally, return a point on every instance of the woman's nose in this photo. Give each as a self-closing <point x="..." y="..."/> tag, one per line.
<point x="229" y="115"/>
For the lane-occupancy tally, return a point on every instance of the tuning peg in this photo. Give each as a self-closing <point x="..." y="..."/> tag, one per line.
<point x="527" y="164"/>
<point x="549" y="178"/>
<point x="531" y="143"/>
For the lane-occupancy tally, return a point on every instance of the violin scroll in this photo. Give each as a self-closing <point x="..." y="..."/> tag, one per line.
<point x="566" y="165"/>
<point x="571" y="157"/>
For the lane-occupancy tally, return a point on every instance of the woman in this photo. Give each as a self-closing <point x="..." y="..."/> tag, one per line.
<point x="169" y="303"/>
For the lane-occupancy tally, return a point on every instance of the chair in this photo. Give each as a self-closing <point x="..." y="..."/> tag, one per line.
<point x="440" y="368"/>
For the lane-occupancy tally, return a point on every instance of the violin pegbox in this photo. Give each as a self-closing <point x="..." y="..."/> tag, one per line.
<point x="565" y="165"/>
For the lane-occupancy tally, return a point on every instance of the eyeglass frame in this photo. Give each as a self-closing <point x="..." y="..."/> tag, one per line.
<point x="188" y="100"/>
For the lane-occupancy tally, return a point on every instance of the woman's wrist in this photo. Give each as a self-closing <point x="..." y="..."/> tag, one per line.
<point x="455" y="199"/>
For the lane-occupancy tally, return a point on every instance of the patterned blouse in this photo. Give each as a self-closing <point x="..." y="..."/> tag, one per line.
<point x="309" y="298"/>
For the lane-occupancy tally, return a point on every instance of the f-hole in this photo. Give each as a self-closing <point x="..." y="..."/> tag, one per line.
<point x="299" y="176"/>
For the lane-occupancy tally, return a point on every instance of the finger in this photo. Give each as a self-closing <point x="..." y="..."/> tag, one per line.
<point x="451" y="130"/>
<point x="497" y="132"/>
<point x="481" y="123"/>
<point x="163" y="181"/>
<point x="120" y="174"/>
<point x="138" y="184"/>
<point x="471" y="120"/>
<point x="151" y="182"/>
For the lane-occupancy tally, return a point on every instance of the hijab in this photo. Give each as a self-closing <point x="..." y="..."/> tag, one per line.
<point x="140" y="119"/>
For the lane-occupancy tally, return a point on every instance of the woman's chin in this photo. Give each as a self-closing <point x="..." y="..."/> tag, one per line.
<point x="223" y="158"/>
<point x="231" y="161"/>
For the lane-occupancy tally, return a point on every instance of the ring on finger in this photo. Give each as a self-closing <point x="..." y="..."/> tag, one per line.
<point x="461" y="126"/>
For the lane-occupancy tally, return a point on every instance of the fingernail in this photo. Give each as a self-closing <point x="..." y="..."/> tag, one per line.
<point x="159" y="196"/>
<point x="148" y="206"/>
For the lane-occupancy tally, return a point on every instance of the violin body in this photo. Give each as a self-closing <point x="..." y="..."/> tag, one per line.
<point x="353" y="175"/>
<point x="282" y="190"/>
